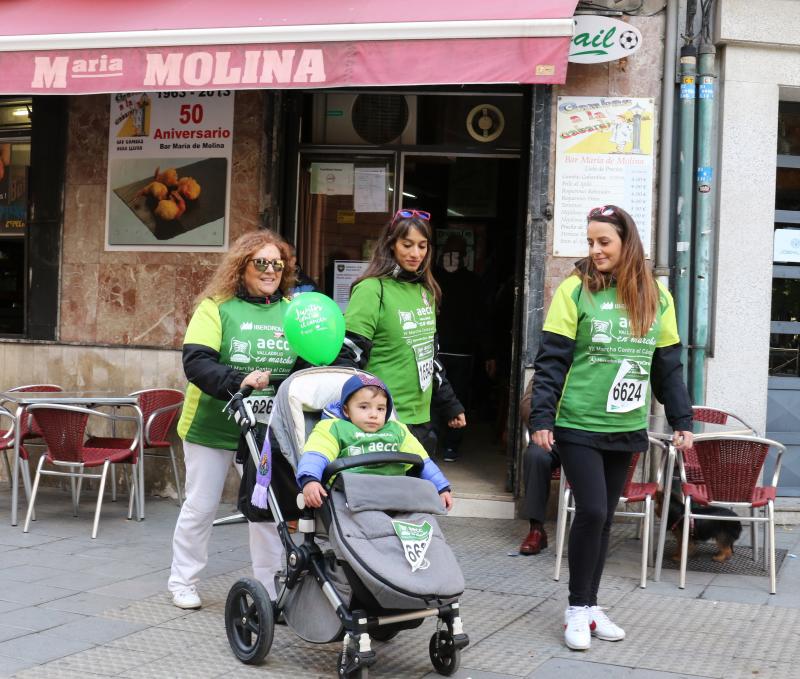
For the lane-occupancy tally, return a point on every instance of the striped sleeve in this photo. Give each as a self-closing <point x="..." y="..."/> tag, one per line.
<point x="668" y="334"/>
<point x="321" y="440"/>
<point x="410" y="444"/>
<point x="205" y="326"/>
<point x="562" y="317"/>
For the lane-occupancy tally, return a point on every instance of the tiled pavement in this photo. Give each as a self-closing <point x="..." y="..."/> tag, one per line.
<point x="75" y="607"/>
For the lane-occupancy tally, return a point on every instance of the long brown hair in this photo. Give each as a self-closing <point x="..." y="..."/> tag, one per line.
<point x="636" y="285"/>
<point x="383" y="263"/>
<point x="227" y="279"/>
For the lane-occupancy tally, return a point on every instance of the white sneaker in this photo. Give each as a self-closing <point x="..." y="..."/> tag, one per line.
<point x="603" y="628"/>
<point x="187" y="598"/>
<point x="577" y="634"/>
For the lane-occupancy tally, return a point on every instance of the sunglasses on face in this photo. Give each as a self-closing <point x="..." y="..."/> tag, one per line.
<point x="262" y="264"/>
<point x="602" y="211"/>
<point x="409" y="214"/>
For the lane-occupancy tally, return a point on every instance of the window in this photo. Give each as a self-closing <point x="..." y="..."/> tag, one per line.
<point x="784" y="356"/>
<point x="15" y="161"/>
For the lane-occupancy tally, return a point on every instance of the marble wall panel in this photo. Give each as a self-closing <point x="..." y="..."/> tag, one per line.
<point x="140" y="298"/>
<point x="87" y="146"/>
<point x="79" y="292"/>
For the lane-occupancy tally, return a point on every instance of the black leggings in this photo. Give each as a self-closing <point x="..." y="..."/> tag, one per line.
<point x="597" y="478"/>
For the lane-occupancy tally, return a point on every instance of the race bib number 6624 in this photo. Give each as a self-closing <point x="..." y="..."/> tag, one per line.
<point x="629" y="389"/>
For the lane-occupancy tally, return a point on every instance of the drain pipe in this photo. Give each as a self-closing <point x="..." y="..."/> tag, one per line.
<point x="704" y="215"/>
<point x="683" y="255"/>
<point x="667" y="156"/>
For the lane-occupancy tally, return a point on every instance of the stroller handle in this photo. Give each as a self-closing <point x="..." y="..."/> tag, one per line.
<point x="239" y="409"/>
<point x="367" y="460"/>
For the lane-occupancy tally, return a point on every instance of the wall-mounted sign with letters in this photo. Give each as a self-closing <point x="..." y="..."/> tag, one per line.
<point x="598" y="39"/>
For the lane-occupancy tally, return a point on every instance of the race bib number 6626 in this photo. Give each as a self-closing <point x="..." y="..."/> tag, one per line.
<point x="262" y="407"/>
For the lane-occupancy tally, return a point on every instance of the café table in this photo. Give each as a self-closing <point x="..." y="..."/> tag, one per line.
<point x="88" y="398"/>
<point x="659" y="428"/>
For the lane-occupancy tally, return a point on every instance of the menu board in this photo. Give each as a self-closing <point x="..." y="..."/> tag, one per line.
<point x="604" y="156"/>
<point x="169" y="170"/>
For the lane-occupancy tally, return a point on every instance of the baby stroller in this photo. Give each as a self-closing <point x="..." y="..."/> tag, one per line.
<point x="369" y="563"/>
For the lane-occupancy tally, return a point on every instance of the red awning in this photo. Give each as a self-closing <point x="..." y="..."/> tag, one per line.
<point x="82" y="46"/>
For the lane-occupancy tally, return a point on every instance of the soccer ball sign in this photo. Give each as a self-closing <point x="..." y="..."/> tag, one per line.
<point x="598" y="38"/>
<point x="628" y="40"/>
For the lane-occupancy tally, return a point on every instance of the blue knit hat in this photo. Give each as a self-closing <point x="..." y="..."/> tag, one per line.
<point x="360" y="381"/>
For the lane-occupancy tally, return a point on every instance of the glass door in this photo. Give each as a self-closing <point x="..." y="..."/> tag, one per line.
<point x="344" y="200"/>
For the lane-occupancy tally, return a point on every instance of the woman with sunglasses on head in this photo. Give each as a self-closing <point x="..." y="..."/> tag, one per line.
<point x="610" y="334"/>
<point x="234" y="339"/>
<point x="391" y="326"/>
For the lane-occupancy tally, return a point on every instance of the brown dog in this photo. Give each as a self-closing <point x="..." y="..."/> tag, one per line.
<point x="725" y="533"/>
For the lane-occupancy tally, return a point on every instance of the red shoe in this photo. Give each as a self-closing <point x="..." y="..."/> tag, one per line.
<point x="535" y="542"/>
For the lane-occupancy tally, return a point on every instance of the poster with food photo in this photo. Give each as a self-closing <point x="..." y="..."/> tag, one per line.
<point x="169" y="170"/>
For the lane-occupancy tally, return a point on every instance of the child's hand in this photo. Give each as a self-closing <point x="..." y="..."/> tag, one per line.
<point x="313" y="492"/>
<point x="447" y="499"/>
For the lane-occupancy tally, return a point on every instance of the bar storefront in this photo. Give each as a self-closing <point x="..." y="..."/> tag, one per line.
<point x="318" y="131"/>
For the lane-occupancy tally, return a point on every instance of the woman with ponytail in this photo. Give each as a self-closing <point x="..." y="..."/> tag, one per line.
<point x="391" y="326"/>
<point x="610" y="335"/>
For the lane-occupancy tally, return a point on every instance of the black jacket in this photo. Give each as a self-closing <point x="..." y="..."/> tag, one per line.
<point x="203" y="369"/>
<point x="355" y="354"/>
<point x="555" y="359"/>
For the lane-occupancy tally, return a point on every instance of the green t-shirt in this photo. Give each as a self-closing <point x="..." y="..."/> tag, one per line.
<point x="400" y="320"/>
<point x="341" y="438"/>
<point x="248" y="337"/>
<point x="607" y="386"/>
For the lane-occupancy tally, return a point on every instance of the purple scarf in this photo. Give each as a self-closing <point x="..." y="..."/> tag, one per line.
<point x="260" y="496"/>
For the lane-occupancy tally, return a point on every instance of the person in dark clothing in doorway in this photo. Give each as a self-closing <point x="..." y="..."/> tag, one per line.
<point x="458" y="338"/>
<point x="538" y="465"/>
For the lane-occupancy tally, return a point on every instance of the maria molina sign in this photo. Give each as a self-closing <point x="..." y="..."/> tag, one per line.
<point x="598" y="39"/>
<point x="540" y="60"/>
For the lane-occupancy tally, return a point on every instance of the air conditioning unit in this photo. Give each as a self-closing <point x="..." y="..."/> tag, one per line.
<point x="373" y="119"/>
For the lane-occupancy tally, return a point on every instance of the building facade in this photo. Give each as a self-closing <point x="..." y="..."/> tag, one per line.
<point x="105" y="319"/>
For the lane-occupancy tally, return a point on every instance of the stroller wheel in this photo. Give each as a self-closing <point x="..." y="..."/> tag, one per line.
<point x="444" y="655"/>
<point x="249" y="621"/>
<point x="359" y="673"/>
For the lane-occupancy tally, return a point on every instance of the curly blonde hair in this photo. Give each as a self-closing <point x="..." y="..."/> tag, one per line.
<point x="227" y="280"/>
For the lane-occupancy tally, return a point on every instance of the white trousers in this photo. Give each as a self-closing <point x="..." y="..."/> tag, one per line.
<point x="206" y="469"/>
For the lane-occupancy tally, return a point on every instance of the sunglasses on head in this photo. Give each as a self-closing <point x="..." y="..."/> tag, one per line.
<point x="602" y="211"/>
<point x="410" y="214"/>
<point x="262" y="264"/>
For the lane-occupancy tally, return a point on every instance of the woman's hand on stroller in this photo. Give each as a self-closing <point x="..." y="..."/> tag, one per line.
<point x="313" y="492"/>
<point x="258" y="379"/>
<point x="447" y="498"/>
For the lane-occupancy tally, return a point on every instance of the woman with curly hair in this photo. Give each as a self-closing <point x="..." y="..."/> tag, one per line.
<point x="234" y="339"/>
<point x="391" y="326"/>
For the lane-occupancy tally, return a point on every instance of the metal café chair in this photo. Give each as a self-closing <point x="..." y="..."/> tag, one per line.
<point x="160" y="408"/>
<point x="63" y="428"/>
<point x="633" y="491"/>
<point x="29" y="432"/>
<point x="730" y="467"/>
<point x="712" y="415"/>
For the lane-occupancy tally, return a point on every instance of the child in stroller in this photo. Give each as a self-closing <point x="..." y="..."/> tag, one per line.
<point x="368" y="563"/>
<point x="356" y="424"/>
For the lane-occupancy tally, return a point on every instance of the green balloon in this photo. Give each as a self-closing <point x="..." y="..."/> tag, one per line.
<point x="314" y="327"/>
